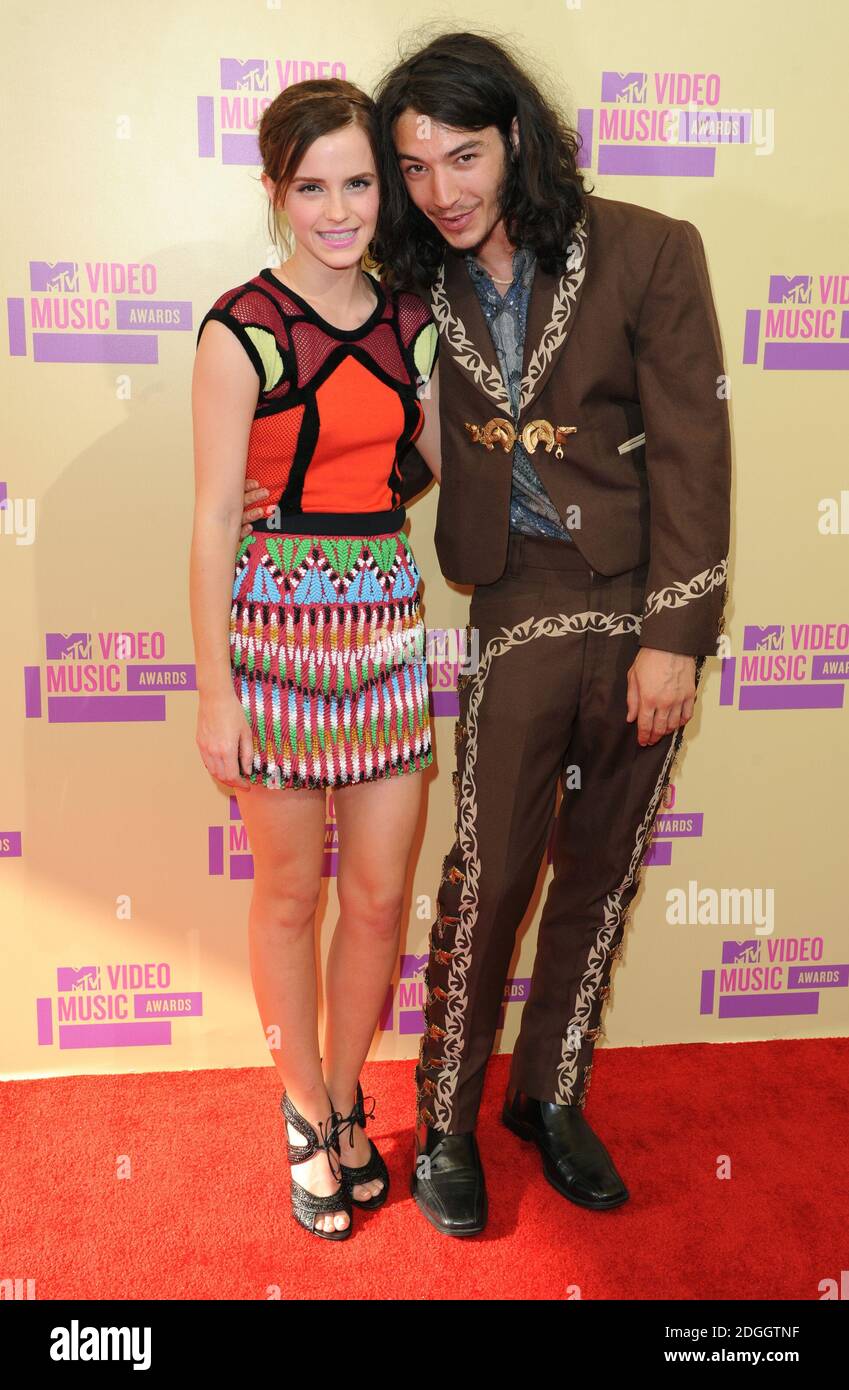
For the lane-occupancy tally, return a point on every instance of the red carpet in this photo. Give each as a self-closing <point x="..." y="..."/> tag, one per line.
<point x="205" y="1212"/>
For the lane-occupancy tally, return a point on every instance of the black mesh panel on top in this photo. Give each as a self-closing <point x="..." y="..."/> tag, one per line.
<point x="253" y="307"/>
<point x="413" y="313"/>
<point x="312" y="348"/>
<point x="382" y="346"/>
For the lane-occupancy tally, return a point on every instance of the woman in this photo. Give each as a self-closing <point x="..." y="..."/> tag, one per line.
<point x="306" y="378"/>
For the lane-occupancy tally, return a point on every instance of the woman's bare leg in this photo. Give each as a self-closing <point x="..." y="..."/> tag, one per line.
<point x="286" y="829"/>
<point x="376" y="822"/>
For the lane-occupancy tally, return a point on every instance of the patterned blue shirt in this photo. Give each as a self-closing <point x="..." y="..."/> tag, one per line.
<point x="531" y="509"/>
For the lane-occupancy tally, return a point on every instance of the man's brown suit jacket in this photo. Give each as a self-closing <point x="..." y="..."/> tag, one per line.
<point x="625" y="347"/>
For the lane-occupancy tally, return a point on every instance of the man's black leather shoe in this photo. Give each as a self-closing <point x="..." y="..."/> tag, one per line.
<point x="574" y="1160"/>
<point x="453" y="1195"/>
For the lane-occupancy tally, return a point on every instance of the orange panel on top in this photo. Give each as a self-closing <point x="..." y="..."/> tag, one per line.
<point x="360" y="421"/>
<point x="271" y="450"/>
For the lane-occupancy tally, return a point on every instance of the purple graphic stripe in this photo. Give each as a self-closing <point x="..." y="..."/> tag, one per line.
<point x="726" y="684"/>
<point x="586" y="130"/>
<point x="215" y="849"/>
<point x="658" y="855"/>
<point x="385" y="1021"/>
<point x="32" y="692"/>
<point x="118" y="348"/>
<point x="100" y="709"/>
<point x="806" y="357"/>
<point x="44" y="1021"/>
<point x="12" y="849"/>
<point x="763" y="697"/>
<point x="17" y="326"/>
<point x="239" y="149"/>
<point x="767" y="1005"/>
<point x="241" y="866"/>
<point x="97" y="709"/>
<point x="410" y="1021"/>
<point x="73" y="1035"/>
<point x="708" y="987"/>
<point x="669" y="161"/>
<point x="751" y="336"/>
<point x="444" y="704"/>
<point x="206" y="127"/>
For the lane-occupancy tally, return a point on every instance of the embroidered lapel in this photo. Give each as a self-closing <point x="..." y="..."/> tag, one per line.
<point x="463" y="328"/>
<point x="551" y="314"/>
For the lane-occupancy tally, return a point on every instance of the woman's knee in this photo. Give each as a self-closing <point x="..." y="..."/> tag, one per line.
<point x="286" y="903"/>
<point x="373" y="909"/>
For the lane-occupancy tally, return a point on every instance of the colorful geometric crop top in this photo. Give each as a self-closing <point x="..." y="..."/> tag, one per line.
<point x="337" y="408"/>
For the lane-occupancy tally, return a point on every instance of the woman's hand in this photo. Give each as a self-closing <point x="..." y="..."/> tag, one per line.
<point x="224" y="739"/>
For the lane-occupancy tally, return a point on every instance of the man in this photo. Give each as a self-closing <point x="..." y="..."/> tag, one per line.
<point x="585" y="494"/>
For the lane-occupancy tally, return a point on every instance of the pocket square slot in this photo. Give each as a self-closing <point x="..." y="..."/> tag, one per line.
<point x="634" y="443"/>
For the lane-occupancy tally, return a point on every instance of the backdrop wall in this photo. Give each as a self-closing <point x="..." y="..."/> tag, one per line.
<point x="133" y="200"/>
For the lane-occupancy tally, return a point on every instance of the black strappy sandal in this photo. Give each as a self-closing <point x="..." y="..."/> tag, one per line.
<point x="305" y="1204"/>
<point x="373" y="1168"/>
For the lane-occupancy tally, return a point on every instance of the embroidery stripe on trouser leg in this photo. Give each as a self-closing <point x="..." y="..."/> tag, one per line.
<point x="480" y="904"/>
<point x="594" y="987"/>
<point x="603" y="831"/>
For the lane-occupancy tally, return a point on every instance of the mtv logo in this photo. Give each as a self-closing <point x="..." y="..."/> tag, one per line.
<point x="67" y="646"/>
<point x="790" y="289"/>
<point x="763" y="639"/>
<point x="627" y="87"/>
<point x="412" y="966"/>
<point x="69" y="979"/>
<point x="740" y="952"/>
<point x="250" y="76"/>
<point x="61" y="277"/>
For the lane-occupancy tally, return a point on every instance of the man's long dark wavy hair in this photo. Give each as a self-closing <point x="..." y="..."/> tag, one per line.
<point x="469" y="81"/>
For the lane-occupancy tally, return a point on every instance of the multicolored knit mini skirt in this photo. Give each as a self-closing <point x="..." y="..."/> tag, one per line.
<point x="328" y="654"/>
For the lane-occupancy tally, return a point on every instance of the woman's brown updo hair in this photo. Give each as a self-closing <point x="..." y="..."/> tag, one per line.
<point x="298" y="116"/>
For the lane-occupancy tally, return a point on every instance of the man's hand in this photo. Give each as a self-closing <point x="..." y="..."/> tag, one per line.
<point x="661" y="693"/>
<point x="250" y="510"/>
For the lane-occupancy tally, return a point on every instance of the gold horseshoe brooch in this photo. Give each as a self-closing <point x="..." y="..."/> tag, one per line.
<point x="501" y="431"/>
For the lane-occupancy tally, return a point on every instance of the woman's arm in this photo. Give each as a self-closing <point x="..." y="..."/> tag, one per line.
<point x="429" y="442"/>
<point x="225" y="387"/>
